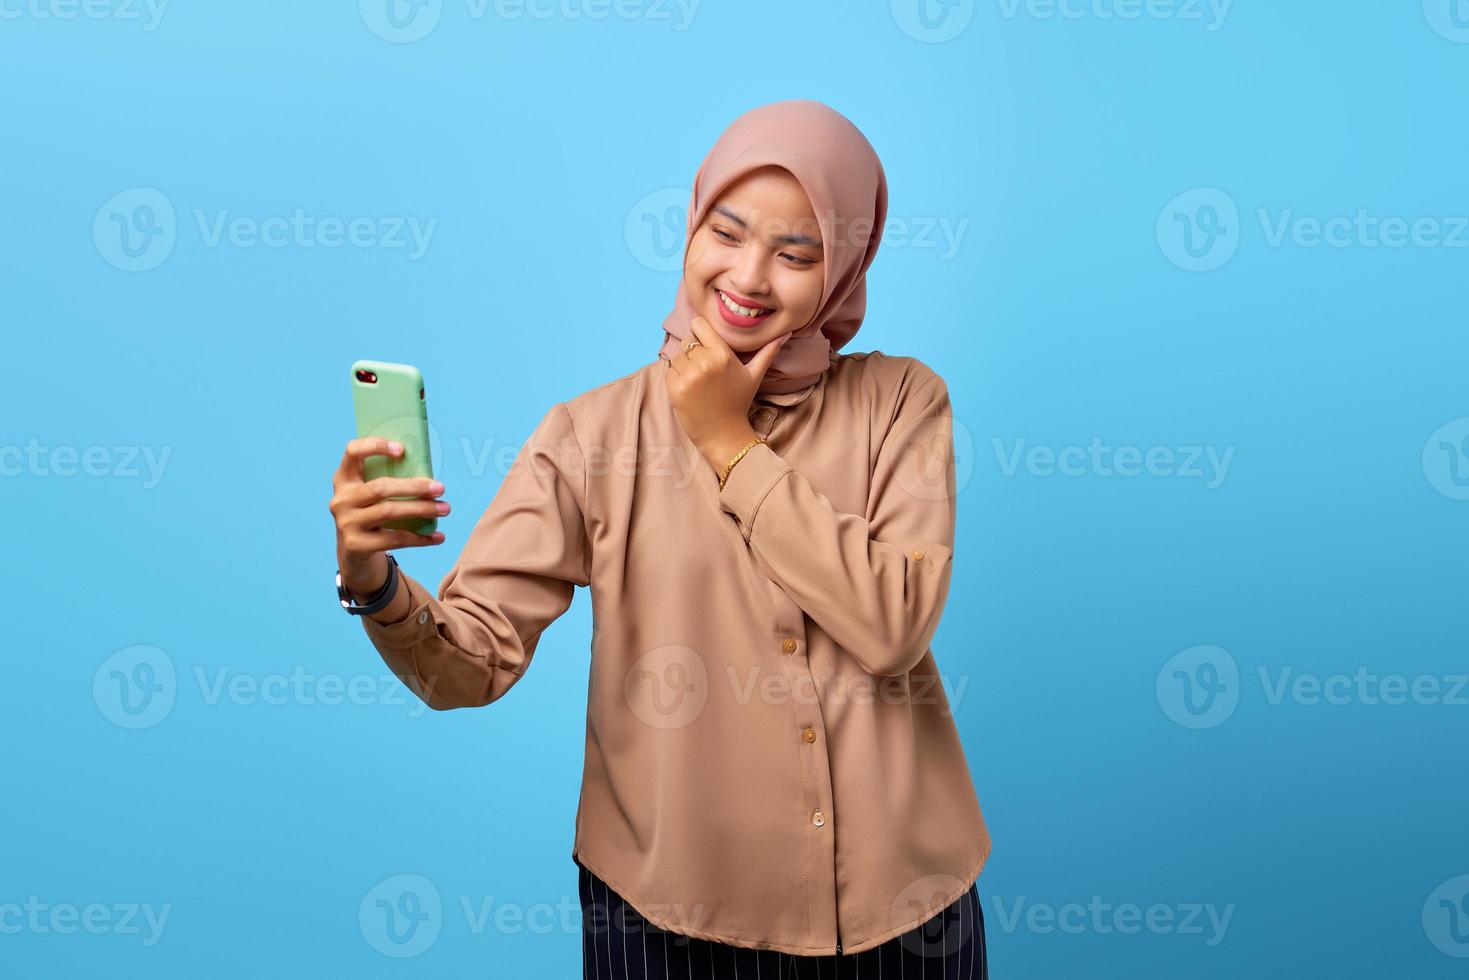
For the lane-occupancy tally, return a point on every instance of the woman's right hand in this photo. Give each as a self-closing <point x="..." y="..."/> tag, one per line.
<point x="361" y="508"/>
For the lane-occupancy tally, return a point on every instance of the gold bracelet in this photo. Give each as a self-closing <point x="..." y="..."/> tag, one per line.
<point x="738" y="456"/>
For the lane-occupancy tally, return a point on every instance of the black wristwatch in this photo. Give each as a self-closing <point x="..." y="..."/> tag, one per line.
<point x="377" y="602"/>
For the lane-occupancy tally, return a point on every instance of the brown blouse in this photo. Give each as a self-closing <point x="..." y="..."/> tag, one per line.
<point x="770" y="757"/>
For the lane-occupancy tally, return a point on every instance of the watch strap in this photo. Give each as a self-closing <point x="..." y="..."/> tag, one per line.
<point x="377" y="602"/>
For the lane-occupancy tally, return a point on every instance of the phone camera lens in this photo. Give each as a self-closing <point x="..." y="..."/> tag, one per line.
<point x="368" y="377"/>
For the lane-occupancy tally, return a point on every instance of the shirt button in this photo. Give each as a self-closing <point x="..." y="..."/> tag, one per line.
<point x="818" y="818"/>
<point x="423" y="616"/>
<point x="789" y="646"/>
<point x="809" y="734"/>
<point x="917" y="554"/>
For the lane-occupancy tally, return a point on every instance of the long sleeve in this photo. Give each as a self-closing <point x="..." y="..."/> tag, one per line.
<point x="875" y="584"/>
<point x="517" y="573"/>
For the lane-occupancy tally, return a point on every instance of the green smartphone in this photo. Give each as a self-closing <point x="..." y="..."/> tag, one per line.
<point x="388" y="401"/>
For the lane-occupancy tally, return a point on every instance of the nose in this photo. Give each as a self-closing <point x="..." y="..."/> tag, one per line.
<point x="748" y="276"/>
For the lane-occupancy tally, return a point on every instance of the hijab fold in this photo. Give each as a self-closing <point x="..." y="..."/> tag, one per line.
<point x="845" y="183"/>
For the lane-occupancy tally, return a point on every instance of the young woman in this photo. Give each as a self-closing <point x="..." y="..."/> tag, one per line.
<point x="773" y="781"/>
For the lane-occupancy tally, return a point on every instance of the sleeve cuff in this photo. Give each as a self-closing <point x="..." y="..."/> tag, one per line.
<point x="752" y="478"/>
<point x="408" y="631"/>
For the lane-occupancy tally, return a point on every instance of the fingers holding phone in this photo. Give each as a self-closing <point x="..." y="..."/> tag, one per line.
<point x="363" y="508"/>
<point x="383" y="492"/>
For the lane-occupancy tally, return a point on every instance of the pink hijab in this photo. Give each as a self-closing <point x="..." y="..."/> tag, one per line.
<point x="848" y="190"/>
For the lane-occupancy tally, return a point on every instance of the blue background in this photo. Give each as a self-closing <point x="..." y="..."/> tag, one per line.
<point x="1334" y="541"/>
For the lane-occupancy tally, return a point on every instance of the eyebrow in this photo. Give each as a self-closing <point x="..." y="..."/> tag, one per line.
<point x="781" y="240"/>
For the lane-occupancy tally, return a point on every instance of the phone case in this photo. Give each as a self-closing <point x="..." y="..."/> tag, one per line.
<point x="394" y="407"/>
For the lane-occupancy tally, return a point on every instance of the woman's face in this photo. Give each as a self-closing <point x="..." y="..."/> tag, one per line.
<point x="759" y="247"/>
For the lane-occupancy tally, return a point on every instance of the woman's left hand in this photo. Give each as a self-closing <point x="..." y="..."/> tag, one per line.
<point x="711" y="390"/>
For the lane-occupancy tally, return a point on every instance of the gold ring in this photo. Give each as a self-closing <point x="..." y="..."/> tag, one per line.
<point x="690" y="346"/>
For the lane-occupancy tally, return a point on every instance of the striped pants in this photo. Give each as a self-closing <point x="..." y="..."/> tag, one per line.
<point x="619" y="944"/>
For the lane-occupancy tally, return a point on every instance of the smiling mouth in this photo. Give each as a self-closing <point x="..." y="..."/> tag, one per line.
<point x="740" y="309"/>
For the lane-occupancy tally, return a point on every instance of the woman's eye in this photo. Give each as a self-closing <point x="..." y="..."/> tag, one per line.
<point x="724" y="235"/>
<point x="799" y="260"/>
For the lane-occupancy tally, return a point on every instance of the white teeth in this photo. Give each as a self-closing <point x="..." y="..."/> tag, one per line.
<point x="741" y="310"/>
